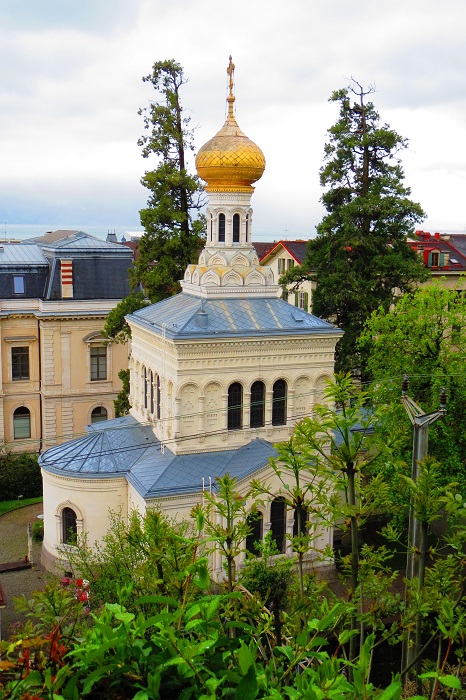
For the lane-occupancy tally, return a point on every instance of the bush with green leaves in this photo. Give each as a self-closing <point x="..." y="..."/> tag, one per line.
<point x="20" y="476"/>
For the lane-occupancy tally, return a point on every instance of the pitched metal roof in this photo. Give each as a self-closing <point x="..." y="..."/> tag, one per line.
<point x="74" y="241"/>
<point x="188" y="316"/>
<point x="21" y="254"/>
<point x="123" y="447"/>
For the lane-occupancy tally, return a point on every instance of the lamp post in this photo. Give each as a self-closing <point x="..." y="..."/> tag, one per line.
<point x="420" y="422"/>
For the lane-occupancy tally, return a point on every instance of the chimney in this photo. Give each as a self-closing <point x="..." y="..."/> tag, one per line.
<point x="437" y="236"/>
<point x="66" y="269"/>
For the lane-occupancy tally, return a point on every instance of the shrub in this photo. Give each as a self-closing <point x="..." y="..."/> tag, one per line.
<point x="19" y="476"/>
<point x="38" y="531"/>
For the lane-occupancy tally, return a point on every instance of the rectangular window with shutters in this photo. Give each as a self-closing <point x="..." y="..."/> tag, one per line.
<point x="19" y="363"/>
<point x="98" y="363"/>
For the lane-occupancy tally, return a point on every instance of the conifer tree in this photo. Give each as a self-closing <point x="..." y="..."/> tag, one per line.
<point x="173" y="232"/>
<point x="360" y="257"/>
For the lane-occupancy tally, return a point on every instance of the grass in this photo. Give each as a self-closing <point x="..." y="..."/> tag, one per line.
<point x="7" y="506"/>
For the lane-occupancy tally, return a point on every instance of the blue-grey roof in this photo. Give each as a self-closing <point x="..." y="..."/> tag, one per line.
<point x="75" y="241"/>
<point x="125" y="448"/>
<point x="188" y="316"/>
<point x="21" y="254"/>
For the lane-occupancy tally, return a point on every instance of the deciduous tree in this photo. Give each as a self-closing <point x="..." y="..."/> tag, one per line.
<point x="423" y="335"/>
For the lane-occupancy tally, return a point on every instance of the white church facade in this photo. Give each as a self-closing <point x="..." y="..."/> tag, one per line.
<point x="219" y="374"/>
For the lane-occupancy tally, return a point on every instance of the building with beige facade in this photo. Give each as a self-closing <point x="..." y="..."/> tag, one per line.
<point x="57" y="374"/>
<point x="219" y="373"/>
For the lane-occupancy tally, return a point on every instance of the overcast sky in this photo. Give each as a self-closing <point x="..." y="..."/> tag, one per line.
<point x="70" y="89"/>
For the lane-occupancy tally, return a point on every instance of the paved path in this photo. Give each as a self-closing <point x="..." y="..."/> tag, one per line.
<point x="13" y="546"/>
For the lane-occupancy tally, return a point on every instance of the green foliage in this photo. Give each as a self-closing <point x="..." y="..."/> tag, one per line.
<point x="173" y="236"/>
<point x="8" y="506"/>
<point x="19" y="476"/>
<point x="228" y="528"/>
<point x="38" y="531"/>
<point x="423" y="336"/>
<point x="269" y="578"/>
<point x="360" y="256"/>
<point x="121" y="403"/>
<point x="152" y="555"/>
<point x="148" y="627"/>
<point x="116" y="328"/>
<point x="180" y="653"/>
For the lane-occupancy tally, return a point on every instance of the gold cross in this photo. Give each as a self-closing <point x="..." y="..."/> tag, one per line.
<point x="231" y="72"/>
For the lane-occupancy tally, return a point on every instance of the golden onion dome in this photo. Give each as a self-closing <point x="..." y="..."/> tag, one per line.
<point x="230" y="161"/>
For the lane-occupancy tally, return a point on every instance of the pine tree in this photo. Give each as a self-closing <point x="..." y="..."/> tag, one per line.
<point x="173" y="232"/>
<point x="360" y="256"/>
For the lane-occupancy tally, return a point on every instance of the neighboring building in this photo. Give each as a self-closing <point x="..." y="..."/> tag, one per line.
<point x="219" y="373"/>
<point x="282" y="257"/>
<point x="57" y="374"/>
<point x="443" y="254"/>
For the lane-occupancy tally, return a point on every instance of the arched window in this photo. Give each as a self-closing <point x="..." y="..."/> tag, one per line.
<point x="278" y="522"/>
<point x="236" y="228"/>
<point x="235" y="406"/>
<point x="145" y="388"/>
<point x="21" y="423"/>
<point x="255" y="521"/>
<point x="221" y="228"/>
<point x="69" y="529"/>
<point x="152" y="393"/>
<point x="158" y="397"/>
<point x="257" y="413"/>
<point x="247" y="227"/>
<point x="211" y="227"/>
<point x="98" y="414"/>
<point x="279" y="403"/>
<point x="300" y="528"/>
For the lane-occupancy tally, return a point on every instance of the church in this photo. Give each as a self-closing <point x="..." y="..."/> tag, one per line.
<point x="219" y="373"/>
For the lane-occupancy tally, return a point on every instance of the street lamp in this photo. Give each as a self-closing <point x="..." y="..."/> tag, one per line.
<point x="420" y="422"/>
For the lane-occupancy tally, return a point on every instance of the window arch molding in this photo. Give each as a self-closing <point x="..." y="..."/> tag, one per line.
<point x="59" y="522"/>
<point x="18" y="411"/>
<point x="96" y="415"/>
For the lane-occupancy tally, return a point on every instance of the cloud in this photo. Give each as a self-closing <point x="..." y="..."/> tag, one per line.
<point x="71" y="87"/>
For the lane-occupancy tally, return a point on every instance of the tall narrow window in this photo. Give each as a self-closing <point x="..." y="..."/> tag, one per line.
<point x="221" y="228"/>
<point x="18" y="284"/>
<point x="247" y="227"/>
<point x="158" y="397"/>
<point x="255" y="522"/>
<point x="278" y="522"/>
<point x="69" y="527"/>
<point x="211" y="227"/>
<point x="235" y="406"/>
<point x="152" y="392"/>
<point x="257" y="413"/>
<point x="279" y="403"/>
<point x="19" y="363"/>
<point x="22" y="423"/>
<point x="98" y="363"/>
<point x="236" y="228"/>
<point x="145" y="388"/>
